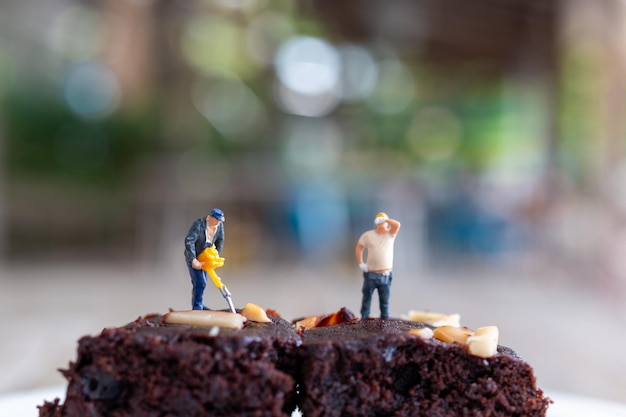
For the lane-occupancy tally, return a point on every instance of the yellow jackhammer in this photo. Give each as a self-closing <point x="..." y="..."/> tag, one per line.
<point x="210" y="260"/>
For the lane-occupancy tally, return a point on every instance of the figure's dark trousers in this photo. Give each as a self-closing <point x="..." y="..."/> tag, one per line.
<point x="380" y="282"/>
<point x="198" y="283"/>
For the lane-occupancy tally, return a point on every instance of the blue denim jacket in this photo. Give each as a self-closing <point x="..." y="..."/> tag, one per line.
<point x="195" y="241"/>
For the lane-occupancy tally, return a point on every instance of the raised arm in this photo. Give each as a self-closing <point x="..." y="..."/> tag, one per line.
<point x="394" y="226"/>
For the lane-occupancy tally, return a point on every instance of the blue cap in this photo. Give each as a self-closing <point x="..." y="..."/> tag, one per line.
<point x="218" y="214"/>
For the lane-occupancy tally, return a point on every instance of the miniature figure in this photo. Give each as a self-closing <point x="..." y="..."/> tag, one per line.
<point x="377" y="271"/>
<point x="204" y="233"/>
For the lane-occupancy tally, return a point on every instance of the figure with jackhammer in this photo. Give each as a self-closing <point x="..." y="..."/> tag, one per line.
<point x="203" y="247"/>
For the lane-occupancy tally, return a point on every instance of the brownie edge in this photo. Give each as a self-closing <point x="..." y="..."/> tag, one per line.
<point x="375" y="367"/>
<point x="152" y="369"/>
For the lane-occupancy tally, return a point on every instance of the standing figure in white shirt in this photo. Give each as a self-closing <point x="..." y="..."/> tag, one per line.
<point x="377" y="270"/>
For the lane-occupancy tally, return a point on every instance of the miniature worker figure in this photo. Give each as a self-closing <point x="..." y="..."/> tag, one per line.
<point x="205" y="232"/>
<point x="377" y="271"/>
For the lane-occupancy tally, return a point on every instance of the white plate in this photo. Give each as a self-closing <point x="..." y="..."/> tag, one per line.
<point x="24" y="404"/>
<point x="570" y="405"/>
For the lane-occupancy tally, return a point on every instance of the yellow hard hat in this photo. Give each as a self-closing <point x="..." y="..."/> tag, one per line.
<point x="381" y="217"/>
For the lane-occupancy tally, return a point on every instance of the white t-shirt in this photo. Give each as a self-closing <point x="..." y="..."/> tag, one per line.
<point x="379" y="249"/>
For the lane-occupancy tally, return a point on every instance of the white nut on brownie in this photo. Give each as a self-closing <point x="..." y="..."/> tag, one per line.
<point x="424" y="332"/>
<point x="484" y="342"/>
<point x="434" y="319"/>
<point x="255" y="313"/>
<point x="205" y="318"/>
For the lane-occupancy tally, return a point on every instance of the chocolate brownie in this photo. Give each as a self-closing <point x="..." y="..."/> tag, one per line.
<point x="350" y="367"/>
<point x="150" y="368"/>
<point x="376" y="367"/>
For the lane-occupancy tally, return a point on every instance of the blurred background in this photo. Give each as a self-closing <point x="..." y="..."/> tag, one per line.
<point x="493" y="130"/>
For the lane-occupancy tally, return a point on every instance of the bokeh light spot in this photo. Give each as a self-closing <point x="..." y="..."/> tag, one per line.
<point x="359" y="73"/>
<point x="395" y="90"/>
<point x="229" y="105"/>
<point x="317" y="105"/>
<point x="235" y="4"/>
<point x="76" y="32"/>
<point x="91" y="89"/>
<point x="264" y="35"/>
<point x="215" y="46"/>
<point x="307" y="65"/>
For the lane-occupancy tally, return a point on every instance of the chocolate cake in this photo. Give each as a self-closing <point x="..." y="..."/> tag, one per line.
<point x="377" y="367"/>
<point x="149" y="368"/>
<point x="332" y="365"/>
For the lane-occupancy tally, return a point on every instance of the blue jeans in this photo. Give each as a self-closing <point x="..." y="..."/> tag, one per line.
<point x="198" y="282"/>
<point x="375" y="281"/>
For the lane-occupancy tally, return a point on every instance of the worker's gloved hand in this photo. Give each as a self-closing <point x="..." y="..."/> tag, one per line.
<point x="363" y="266"/>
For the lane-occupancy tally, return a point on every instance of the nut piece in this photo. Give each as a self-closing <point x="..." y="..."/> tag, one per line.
<point x="434" y="319"/>
<point x="451" y="334"/>
<point x="307" y="323"/>
<point x="255" y="313"/>
<point x="205" y="318"/>
<point x="424" y="332"/>
<point x="343" y="315"/>
<point x="484" y="342"/>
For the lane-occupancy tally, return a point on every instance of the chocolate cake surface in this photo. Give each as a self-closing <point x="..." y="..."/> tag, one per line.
<point x="375" y="367"/>
<point x="149" y="368"/>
